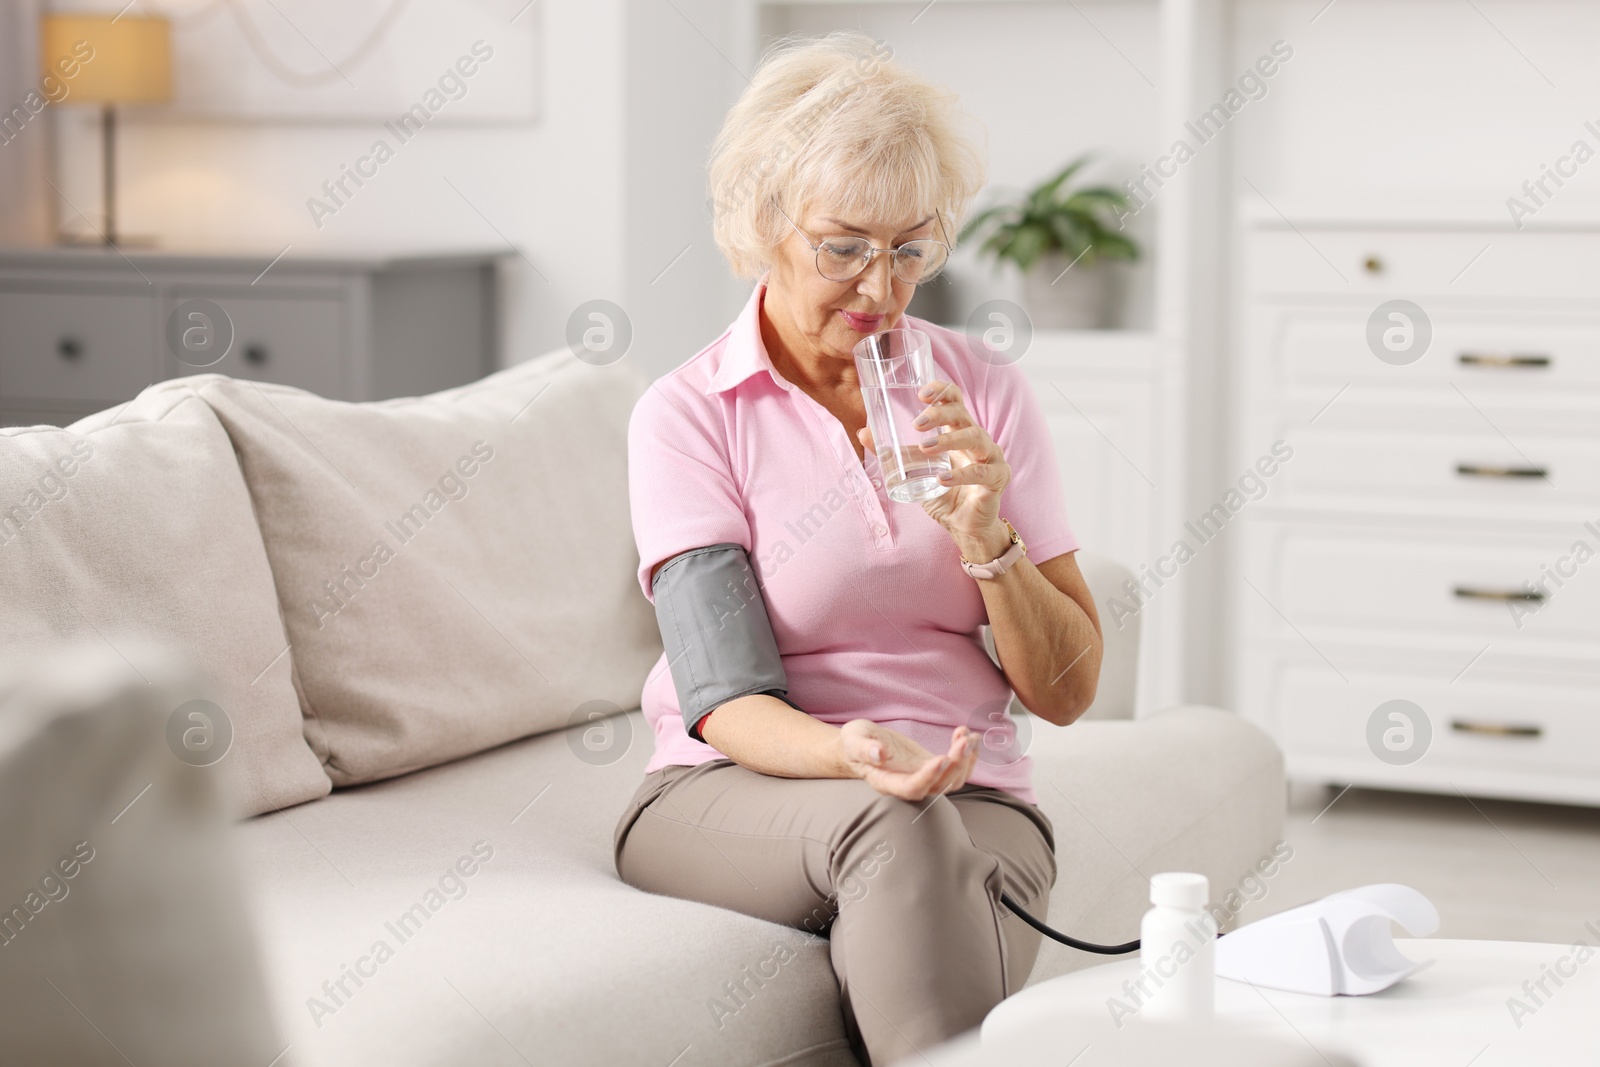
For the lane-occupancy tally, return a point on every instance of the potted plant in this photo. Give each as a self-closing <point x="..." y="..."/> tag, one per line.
<point x="1054" y="227"/>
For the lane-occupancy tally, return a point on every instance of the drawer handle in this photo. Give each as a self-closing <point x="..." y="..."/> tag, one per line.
<point x="1373" y="265"/>
<point x="1502" y="359"/>
<point x="69" y="348"/>
<point x="256" y="354"/>
<point x="1495" y="729"/>
<point x="1478" y="470"/>
<point x="1466" y="592"/>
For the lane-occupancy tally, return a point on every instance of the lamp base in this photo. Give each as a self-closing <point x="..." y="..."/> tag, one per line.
<point x="111" y="236"/>
<point x="95" y="240"/>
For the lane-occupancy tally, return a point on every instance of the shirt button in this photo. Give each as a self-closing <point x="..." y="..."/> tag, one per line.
<point x="877" y="484"/>
<point x="879" y="529"/>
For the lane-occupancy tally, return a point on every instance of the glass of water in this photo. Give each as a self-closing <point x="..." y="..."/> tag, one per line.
<point x="892" y="366"/>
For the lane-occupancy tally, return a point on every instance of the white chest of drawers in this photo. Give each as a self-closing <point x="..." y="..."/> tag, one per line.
<point x="1435" y="537"/>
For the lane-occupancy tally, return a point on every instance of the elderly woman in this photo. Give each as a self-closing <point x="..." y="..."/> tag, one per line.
<point x="857" y="799"/>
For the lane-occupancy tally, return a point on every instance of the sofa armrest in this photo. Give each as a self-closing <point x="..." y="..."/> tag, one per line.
<point x="1119" y="665"/>
<point x="1192" y="788"/>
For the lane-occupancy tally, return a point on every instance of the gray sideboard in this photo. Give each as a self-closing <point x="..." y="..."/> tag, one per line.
<point x="82" y="329"/>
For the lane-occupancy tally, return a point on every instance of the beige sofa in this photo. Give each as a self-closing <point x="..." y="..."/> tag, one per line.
<point x="431" y="605"/>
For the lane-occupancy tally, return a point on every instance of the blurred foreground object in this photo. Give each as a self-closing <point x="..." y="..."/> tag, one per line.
<point x="124" y="937"/>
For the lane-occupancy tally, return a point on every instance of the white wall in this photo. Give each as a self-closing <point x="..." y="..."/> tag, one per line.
<point x="1405" y="100"/>
<point x="608" y="187"/>
<point x="600" y="195"/>
<point x="679" y="292"/>
<point x="555" y="188"/>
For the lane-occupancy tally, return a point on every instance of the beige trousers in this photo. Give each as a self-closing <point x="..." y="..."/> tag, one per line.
<point x="908" y="894"/>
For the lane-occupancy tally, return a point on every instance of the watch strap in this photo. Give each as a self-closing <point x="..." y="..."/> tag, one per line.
<point x="1002" y="563"/>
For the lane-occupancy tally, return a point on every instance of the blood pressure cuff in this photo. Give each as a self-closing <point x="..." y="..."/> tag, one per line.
<point x="716" y="632"/>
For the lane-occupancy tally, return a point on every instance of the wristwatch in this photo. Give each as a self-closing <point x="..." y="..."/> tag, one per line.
<point x="1002" y="563"/>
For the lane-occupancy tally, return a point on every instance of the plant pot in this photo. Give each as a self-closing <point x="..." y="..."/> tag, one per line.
<point x="1080" y="300"/>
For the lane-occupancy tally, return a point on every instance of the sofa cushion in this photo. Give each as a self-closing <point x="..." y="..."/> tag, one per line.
<point x="477" y="907"/>
<point x="543" y="948"/>
<point x="135" y="521"/>
<point x="455" y="570"/>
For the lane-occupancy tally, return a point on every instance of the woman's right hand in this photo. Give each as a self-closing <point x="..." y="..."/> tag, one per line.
<point x="897" y="766"/>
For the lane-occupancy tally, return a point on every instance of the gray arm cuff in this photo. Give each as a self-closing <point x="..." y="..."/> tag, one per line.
<point x="716" y="632"/>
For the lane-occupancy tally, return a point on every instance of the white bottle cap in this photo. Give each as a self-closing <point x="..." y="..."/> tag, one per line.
<point x="1176" y="889"/>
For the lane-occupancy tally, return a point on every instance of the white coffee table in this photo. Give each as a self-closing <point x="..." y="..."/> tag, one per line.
<point x="1452" y="1014"/>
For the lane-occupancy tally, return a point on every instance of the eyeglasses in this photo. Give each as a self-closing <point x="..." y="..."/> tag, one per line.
<point x="842" y="258"/>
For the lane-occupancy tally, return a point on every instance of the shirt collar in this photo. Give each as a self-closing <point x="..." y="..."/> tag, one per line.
<point x="744" y="353"/>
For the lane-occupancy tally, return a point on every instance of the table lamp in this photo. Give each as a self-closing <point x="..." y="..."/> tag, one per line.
<point x="131" y="64"/>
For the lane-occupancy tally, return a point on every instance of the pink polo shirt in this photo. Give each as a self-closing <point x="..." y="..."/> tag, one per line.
<point x="871" y="610"/>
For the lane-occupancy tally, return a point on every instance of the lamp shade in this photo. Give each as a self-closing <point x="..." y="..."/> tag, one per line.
<point x="108" y="60"/>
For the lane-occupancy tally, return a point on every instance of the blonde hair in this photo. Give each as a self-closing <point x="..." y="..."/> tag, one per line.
<point x="834" y="120"/>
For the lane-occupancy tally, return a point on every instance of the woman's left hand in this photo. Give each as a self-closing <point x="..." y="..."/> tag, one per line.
<point x="970" y="509"/>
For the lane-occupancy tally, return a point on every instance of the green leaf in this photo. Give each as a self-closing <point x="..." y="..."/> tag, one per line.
<point x="1070" y="235"/>
<point x="1000" y="244"/>
<point x="1115" y="246"/>
<point x="1044" y="194"/>
<point x="1096" y="199"/>
<point x="982" y="218"/>
<point x="1029" y="242"/>
<point x="1027" y="225"/>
